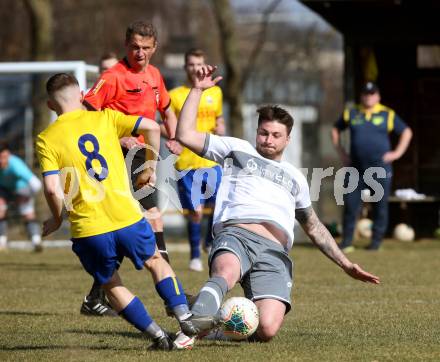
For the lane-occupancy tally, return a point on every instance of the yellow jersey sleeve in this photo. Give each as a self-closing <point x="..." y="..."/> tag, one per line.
<point x="124" y="125"/>
<point x="47" y="158"/>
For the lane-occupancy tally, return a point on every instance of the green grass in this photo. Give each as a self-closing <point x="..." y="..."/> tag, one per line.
<point x="334" y="318"/>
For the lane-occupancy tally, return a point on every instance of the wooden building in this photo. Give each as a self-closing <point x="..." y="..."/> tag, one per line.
<point x="396" y="43"/>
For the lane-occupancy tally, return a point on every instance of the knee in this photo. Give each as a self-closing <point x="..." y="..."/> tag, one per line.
<point x="29" y="217"/>
<point x="268" y="328"/>
<point x="154" y="218"/>
<point x="229" y="274"/>
<point x="227" y="266"/>
<point x="115" y="281"/>
<point x="3" y="208"/>
<point x="153" y="261"/>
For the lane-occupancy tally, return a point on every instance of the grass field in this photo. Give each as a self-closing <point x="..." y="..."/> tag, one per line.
<point x="334" y="318"/>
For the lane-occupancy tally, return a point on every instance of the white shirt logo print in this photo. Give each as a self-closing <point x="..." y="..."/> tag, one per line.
<point x="251" y="165"/>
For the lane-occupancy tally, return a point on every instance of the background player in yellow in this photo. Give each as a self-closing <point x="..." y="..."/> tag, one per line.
<point x="106" y="222"/>
<point x="198" y="186"/>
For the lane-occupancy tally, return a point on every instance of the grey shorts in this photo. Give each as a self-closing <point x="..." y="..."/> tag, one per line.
<point x="266" y="269"/>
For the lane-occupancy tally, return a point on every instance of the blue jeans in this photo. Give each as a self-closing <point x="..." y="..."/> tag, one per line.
<point x="352" y="208"/>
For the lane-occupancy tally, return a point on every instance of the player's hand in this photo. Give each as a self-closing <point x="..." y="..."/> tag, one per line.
<point x="147" y="178"/>
<point x="204" y="77"/>
<point x="129" y="142"/>
<point x="51" y="225"/>
<point x="220" y="129"/>
<point x="174" y="147"/>
<point x="390" y="156"/>
<point x="356" y="272"/>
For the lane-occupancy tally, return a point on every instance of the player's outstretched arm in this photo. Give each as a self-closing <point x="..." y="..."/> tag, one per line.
<point x="151" y="132"/>
<point x="321" y="237"/>
<point x="170" y="124"/>
<point x="187" y="133"/>
<point x="54" y="198"/>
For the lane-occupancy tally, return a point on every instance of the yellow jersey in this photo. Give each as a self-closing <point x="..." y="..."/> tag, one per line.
<point x="83" y="147"/>
<point x="210" y="108"/>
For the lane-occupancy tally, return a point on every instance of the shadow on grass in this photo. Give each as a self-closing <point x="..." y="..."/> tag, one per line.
<point x="57" y="347"/>
<point x="235" y="344"/>
<point x="136" y="335"/>
<point x="34" y="314"/>
<point x="39" y="266"/>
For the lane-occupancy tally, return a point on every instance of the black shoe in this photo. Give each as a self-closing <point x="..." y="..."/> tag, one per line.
<point x="196" y="324"/>
<point x="97" y="307"/>
<point x="191" y="299"/>
<point x="373" y="247"/>
<point x="38" y="248"/>
<point x="163" y="343"/>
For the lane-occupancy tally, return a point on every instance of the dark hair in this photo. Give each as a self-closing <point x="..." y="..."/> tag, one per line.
<point x="194" y="52"/>
<point x="60" y="81"/>
<point x="275" y="113"/>
<point x="4" y="146"/>
<point x="141" y="28"/>
<point x="109" y="55"/>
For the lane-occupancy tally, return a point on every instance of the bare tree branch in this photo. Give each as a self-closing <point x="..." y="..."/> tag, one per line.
<point x="259" y="43"/>
<point x="40" y="13"/>
<point x="225" y="20"/>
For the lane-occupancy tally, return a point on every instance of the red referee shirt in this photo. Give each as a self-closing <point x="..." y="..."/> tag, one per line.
<point x="131" y="93"/>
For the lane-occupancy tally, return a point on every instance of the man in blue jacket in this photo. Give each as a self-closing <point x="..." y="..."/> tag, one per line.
<point x="370" y="124"/>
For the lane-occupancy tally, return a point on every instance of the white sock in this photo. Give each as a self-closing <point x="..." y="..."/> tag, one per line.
<point x="36" y="239"/>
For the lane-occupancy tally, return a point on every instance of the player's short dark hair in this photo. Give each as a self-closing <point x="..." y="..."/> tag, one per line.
<point x="60" y="81"/>
<point x="275" y="113"/>
<point x="194" y="52"/>
<point x="142" y="28"/>
<point x="108" y="55"/>
<point x="4" y="146"/>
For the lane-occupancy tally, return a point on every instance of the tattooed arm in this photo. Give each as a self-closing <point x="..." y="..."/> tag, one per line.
<point x="321" y="237"/>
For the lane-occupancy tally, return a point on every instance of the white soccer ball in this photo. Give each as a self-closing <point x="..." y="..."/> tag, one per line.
<point x="239" y="317"/>
<point x="404" y="232"/>
<point x="365" y="228"/>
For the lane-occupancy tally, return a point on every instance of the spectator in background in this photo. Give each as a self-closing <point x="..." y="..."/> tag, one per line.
<point x="370" y="124"/>
<point x="201" y="178"/>
<point x="107" y="61"/>
<point x="18" y="184"/>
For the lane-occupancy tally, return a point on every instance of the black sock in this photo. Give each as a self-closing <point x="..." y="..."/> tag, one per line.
<point x="160" y="242"/>
<point x="96" y="292"/>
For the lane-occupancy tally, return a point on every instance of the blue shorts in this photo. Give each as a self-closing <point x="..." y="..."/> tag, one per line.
<point x="101" y="255"/>
<point x="199" y="187"/>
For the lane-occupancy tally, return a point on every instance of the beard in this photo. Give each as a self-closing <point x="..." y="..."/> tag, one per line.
<point x="266" y="152"/>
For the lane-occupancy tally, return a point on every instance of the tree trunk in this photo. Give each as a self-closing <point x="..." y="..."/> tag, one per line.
<point x="233" y="89"/>
<point x="42" y="45"/>
<point x="40" y="15"/>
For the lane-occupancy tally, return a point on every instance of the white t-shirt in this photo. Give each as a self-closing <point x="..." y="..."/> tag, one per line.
<point x="253" y="188"/>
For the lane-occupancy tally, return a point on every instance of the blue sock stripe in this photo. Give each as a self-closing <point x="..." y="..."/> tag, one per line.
<point x="171" y="291"/>
<point x="136" y="314"/>
<point x="194" y="235"/>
